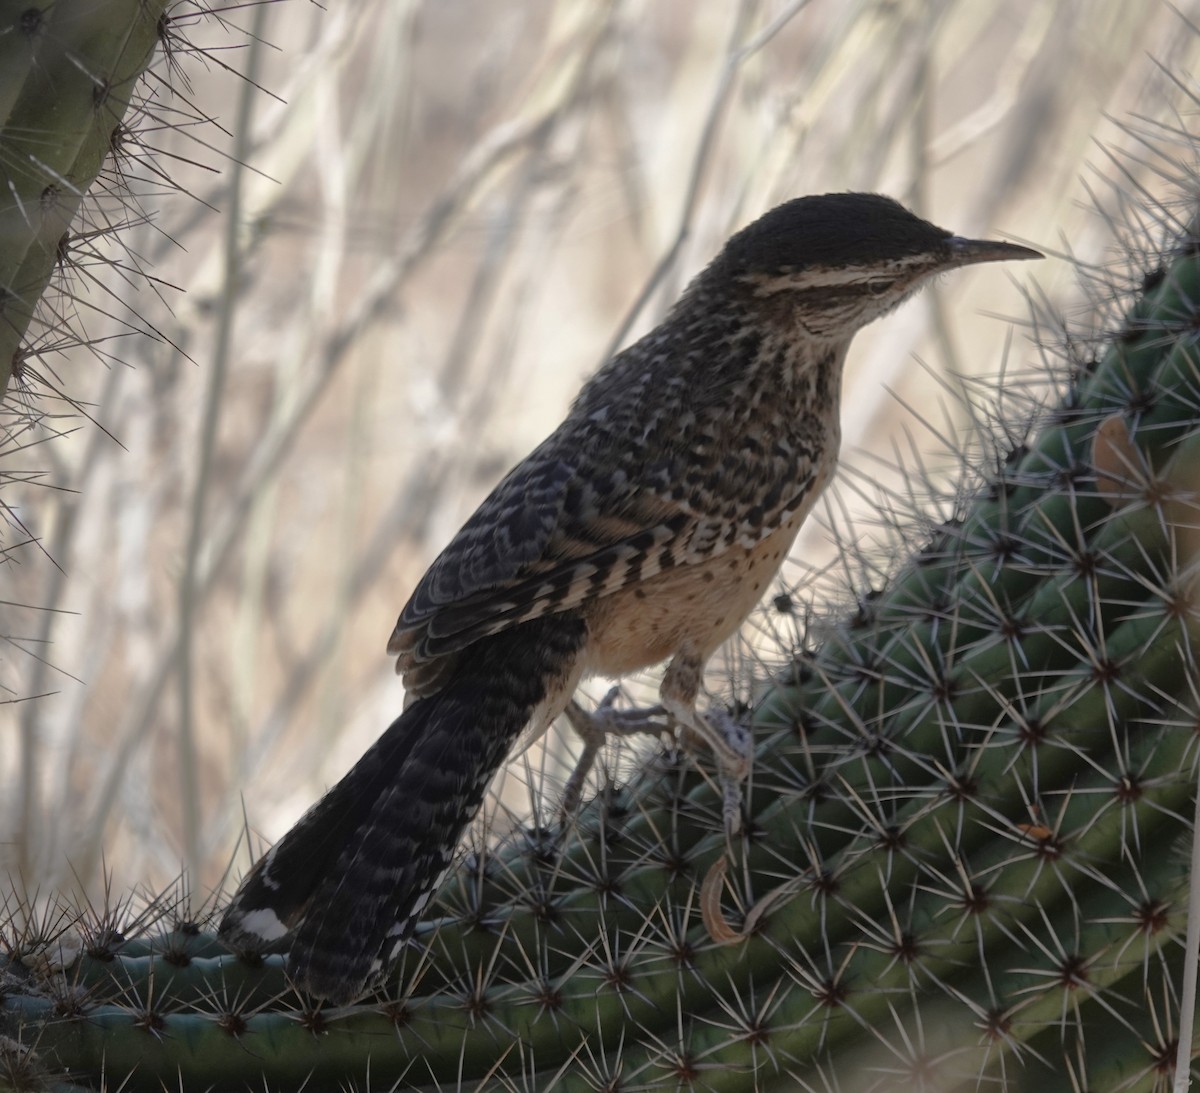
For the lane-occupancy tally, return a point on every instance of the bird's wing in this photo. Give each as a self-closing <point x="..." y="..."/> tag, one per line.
<point x="551" y="537"/>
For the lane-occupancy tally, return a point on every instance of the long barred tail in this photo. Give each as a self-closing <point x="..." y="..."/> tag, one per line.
<point x="353" y="876"/>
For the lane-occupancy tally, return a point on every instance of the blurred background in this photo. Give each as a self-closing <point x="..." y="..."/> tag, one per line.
<point x="414" y="226"/>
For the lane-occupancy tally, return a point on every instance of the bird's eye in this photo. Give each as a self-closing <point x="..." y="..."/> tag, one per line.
<point x="878" y="286"/>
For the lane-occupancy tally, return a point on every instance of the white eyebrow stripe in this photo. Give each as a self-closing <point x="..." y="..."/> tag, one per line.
<point x="818" y="277"/>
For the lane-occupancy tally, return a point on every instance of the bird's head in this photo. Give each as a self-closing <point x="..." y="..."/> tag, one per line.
<point x="835" y="262"/>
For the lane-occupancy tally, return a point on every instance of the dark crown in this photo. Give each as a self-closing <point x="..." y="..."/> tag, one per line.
<point x="831" y="230"/>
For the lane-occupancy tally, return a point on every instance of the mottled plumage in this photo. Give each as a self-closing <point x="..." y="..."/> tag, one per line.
<point x="646" y="526"/>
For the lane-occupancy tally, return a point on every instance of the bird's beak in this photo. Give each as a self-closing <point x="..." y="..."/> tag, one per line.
<point x="966" y="252"/>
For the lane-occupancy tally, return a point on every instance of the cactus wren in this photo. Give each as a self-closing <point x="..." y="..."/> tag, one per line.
<point x="646" y="527"/>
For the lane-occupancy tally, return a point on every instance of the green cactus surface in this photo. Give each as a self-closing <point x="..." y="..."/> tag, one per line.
<point x="67" y="73"/>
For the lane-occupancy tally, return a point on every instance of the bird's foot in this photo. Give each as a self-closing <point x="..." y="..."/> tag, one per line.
<point x="730" y="743"/>
<point x="596" y="727"/>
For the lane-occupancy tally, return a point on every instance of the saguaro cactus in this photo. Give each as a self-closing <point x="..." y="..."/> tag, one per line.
<point x="67" y="73"/>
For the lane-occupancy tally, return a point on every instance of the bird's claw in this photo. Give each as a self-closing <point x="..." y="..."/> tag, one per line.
<point x="595" y="728"/>
<point x="730" y="742"/>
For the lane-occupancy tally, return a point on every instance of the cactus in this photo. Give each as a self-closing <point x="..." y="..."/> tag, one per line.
<point x="965" y="864"/>
<point x="67" y="73"/>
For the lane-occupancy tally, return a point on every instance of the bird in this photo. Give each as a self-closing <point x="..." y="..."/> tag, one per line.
<point x="643" y="530"/>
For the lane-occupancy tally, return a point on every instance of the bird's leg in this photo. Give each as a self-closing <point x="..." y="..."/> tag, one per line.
<point x="731" y="744"/>
<point x="595" y="727"/>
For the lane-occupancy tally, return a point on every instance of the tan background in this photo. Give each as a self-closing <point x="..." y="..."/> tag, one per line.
<point x="451" y="210"/>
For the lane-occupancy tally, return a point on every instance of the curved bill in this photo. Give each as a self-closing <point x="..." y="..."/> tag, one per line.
<point x="966" y="252"/>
